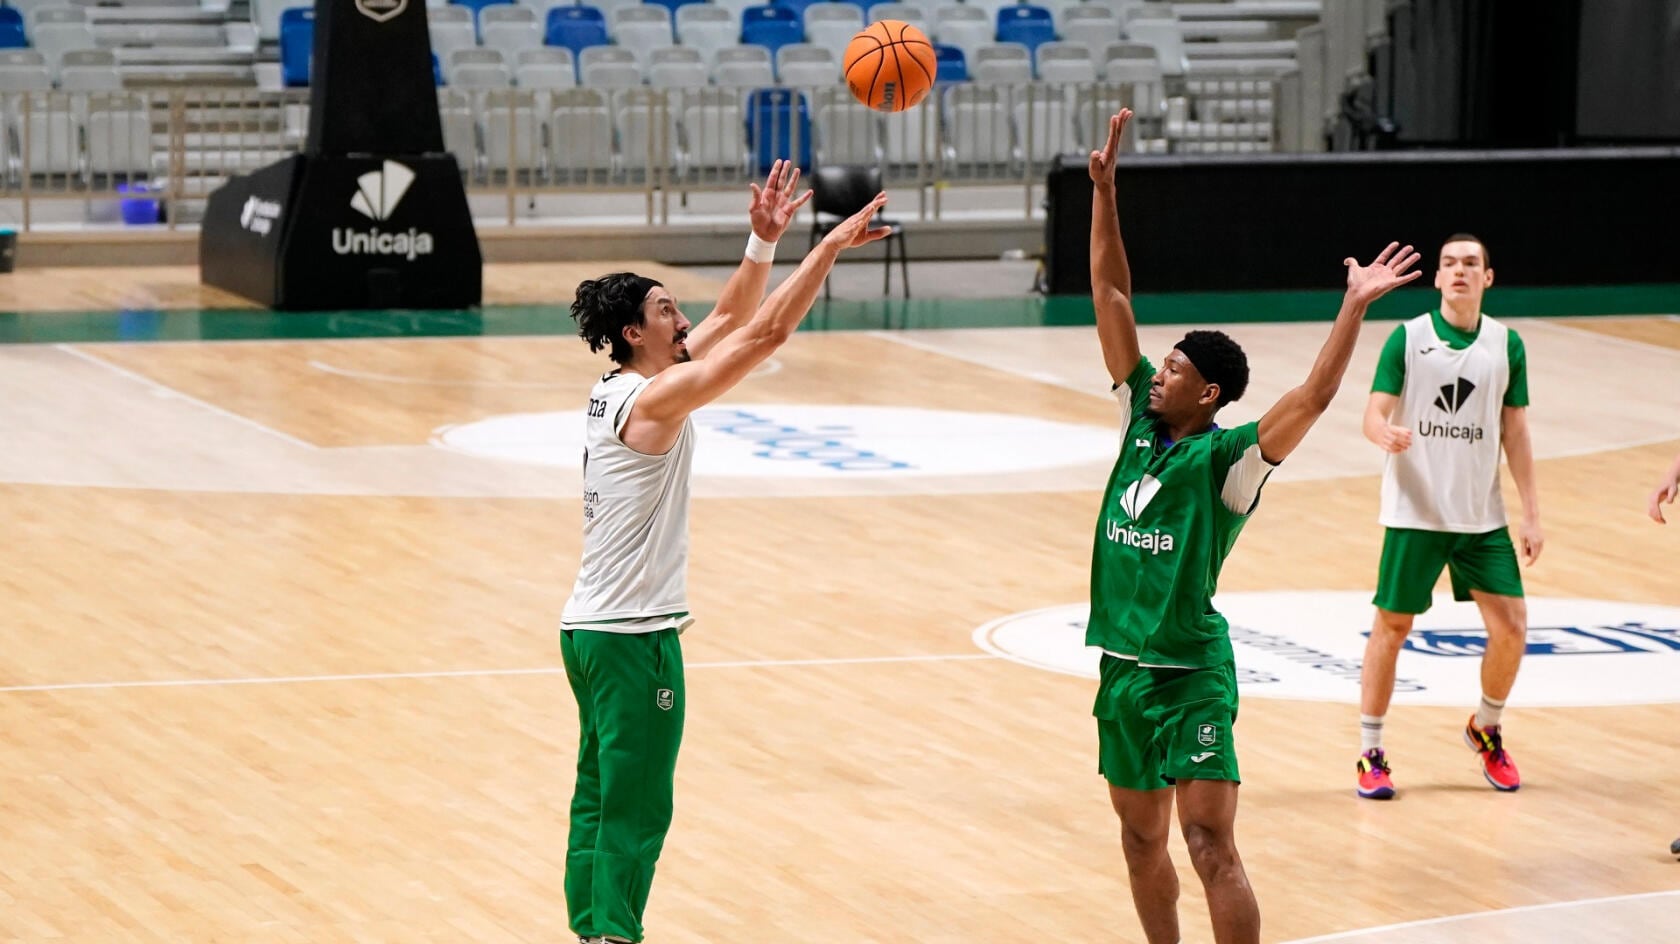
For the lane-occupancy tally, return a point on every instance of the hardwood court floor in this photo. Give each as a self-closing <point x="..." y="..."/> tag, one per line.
<point x="279" y="658"/>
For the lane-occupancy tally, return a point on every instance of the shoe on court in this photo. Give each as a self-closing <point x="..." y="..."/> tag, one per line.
<point x="1497" y="765"/>
<point x="1374" y="783"/>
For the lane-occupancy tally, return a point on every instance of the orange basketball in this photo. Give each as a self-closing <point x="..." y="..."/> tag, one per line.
<point x="890" y="66"/>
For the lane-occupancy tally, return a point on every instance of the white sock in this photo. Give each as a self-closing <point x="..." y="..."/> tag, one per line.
<point x="1487" y="713"/>
<point x="1370" y="732"/>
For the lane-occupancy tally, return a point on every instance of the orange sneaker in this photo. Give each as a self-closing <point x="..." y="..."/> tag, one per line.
<point x="1373" y="775"/>
<point x="1497" y="765"/>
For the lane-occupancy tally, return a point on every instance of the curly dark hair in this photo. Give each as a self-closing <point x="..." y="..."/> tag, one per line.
<point x="604" y="307"/>
<point x="1220" y="360"/>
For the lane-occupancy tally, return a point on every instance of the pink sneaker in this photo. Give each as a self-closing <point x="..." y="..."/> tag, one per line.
<point x="1497" y="765"/>
<point x="1373" y="775"/>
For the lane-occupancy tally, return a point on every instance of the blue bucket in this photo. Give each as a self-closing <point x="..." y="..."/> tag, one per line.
<point x="141" y="209"/>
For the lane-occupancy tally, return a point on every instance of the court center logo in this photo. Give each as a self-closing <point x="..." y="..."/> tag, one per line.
<point x="825" y="443"/>
<point x="377" y="195"/>
<point x="381" y="11"/>
<point x="1309" y="645"/>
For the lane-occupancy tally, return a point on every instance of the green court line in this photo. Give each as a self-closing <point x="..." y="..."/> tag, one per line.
<point x="879" y="314"/>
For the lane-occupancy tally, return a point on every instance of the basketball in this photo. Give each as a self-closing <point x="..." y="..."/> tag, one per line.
<point x="890" y="66"/>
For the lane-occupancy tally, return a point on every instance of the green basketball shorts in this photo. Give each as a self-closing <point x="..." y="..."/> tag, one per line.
<point x="1158" y="726"/>
<point x="1412" y="562"/>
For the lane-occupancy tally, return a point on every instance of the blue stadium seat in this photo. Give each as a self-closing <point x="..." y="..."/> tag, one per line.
<point x="576" y="28"/>
<point x="673" y="4"/>
<point x="297" y="44"/>
<point x="772" y="27"/>
<point x="773" y="114"/>
<point x="437" y="70"/>
<point x="953" y="65"/>
<point x="9" y="16"/>
<point x="1026" y="25"/>
<point x="477" y="5"/>
<point x="11" y="35"/>
<point x="797" y="6"/>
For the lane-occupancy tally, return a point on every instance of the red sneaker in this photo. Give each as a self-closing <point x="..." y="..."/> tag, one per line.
<point x="1373" y="775"/>
<point x="1497" y="765"/>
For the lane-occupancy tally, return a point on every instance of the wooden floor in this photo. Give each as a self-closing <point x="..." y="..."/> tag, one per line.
<point x="279" y="661"/>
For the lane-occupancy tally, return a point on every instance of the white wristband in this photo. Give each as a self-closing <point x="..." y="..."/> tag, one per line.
<point x="760" y="251"/>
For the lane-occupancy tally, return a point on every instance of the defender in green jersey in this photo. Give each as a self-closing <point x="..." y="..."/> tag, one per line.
<point x="1180" y="492"/>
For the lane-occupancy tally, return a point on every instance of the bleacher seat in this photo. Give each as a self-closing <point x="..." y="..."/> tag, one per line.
<point x="297" y="45"/>
<point x="54" y="39"/>
<point x="478" y="69"/>
<point x="967" y="28"/>
<point x="1164" y="34"/>
<point x="807" y="64"/>
<point x="580" y="139"/>
<point x="119" y="134"/>
<point x="1001" y="64"/>
<point x="1043" y="119"/>
<point x="642" y="29"/>
<point x="979" y="122"/>
<point x="673" y="6"/>
<point x="550" y="67"/>
<point x="903" y="12"/>
<point x="647" y="130"/>
<point x="848" y="132"/>
<point x="1092" y="25"/>
<point x="707" y="27"/>
<point x="743" y="67"/>
<point x="1029" y="26"/>
<point x="779" y="126"/>
<point x="953" y="64"/>
<point x="451" y="28"/>
<point x="798" y="6"/>
<point x="1066" y="62"/>
<point x="771" y="27"/>
<point x="713" y="129"/>
<point x="89" y="70"/>
<point x="510" y="28"/>
<point x="576" y="28"/>
<point x="677" y="67"/>
<point x="832" y="25"/>
<point x="512" y="135"/>
<point x="477" y="7"/>
<point x="609" y="67"/>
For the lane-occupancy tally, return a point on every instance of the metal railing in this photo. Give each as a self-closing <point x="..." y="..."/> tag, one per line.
<point x="171" y="148"/>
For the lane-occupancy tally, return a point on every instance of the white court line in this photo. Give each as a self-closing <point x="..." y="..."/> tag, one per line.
<point x="476" y="673"/>
<point x="176" y="394"/>
<point x="1448" y="919"/>
<point x="1045" y="378"/>
<point x="422" y="382"/>
<point x="765" y="369"/>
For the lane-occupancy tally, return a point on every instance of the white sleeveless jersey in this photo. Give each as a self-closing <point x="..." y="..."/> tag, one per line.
<point x="1448" y="480"/>
<point x="633" y="577"/>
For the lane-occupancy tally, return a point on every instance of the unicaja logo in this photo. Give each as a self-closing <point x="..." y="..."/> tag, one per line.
<point x="377" y="195"/>
<point x="1454" y="395"/>
<point x="1450" y="400"/>
<point x="1133" y="501"/>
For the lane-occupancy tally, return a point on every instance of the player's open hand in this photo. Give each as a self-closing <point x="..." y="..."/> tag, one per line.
<point x="1102" y="162"/>
<point x="1387" y="273"/>
<point x="856" y="231"/>
<point x="1395" y="439"/>
<point x="1662" y="495"/>
<point x="774" y="206"/>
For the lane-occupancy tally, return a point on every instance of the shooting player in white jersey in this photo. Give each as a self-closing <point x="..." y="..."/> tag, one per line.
<point x="1451" y="391"/>
<point x="619" y="629"/>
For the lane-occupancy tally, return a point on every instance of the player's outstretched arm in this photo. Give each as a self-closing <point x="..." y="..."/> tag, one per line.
<point x="1286" y="423"/>
<point x="1667" y="487"/>
<point x="681" y="389"/>
<point x="1111" y="276"/>
<point x="773" y="207"/>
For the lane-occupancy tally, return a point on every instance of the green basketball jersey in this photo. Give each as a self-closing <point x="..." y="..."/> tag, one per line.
<point x="1170" y="515"/>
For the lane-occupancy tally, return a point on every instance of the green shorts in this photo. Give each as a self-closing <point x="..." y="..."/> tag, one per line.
<point x="1158" y="726"/>
<point x="1412" y="562"/>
